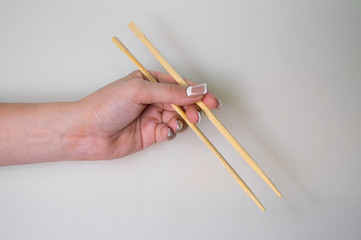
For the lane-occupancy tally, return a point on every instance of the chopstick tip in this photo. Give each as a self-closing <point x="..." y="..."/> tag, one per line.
<point x="261" y="207"/>
<point x="278" y="193"/>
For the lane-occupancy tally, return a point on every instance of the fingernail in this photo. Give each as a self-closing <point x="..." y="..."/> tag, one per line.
<point x="219" y="104"/>
<point x="179" y="125"/>
<point x="197" y="90"/>
<point x="170" y="133"/>
<point x="199" y="117"/>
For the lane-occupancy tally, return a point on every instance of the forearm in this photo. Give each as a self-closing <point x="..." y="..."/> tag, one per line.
<point x="32" y="133"/>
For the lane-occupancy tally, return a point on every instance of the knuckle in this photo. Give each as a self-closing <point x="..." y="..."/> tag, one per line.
<point x="137" y="74"/>
<point x="135" y="88"/>
<point x="173" y="90"/>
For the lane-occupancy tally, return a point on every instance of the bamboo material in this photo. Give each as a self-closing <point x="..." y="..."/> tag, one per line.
<point x="233" y="173"/>
<point x="204" y="108"/>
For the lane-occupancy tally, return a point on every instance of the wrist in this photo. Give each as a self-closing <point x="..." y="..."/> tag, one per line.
<point x="75" y="138"/>
<point x="81" y="140"/>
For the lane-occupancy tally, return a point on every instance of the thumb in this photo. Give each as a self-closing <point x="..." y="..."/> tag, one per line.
<point x="149" y="92"/>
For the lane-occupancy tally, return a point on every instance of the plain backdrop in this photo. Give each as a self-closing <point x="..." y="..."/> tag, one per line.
<point x="287" y="72"/>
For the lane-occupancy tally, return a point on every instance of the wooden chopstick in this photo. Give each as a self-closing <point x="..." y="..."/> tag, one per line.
<point x="204" y="108"/>
<point x="233" y="173"/>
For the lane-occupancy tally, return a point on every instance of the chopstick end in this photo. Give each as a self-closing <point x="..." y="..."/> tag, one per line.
<point x="119" y="44"/>
<point x="135" y="29"/>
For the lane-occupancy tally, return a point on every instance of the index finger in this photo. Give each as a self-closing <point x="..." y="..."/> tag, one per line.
<point x="209" y="99"/>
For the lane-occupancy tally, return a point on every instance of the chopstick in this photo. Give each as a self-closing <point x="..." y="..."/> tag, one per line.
<point x="204" y="108"/>
<point x="228" y="167"/>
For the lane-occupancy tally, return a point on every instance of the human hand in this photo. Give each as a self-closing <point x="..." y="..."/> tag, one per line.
<point x="131" y="114"/>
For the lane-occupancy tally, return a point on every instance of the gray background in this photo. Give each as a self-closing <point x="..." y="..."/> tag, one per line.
<point x="287" y="72"/>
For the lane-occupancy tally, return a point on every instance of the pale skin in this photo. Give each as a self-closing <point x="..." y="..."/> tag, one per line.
<point x="121" y="118"/>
